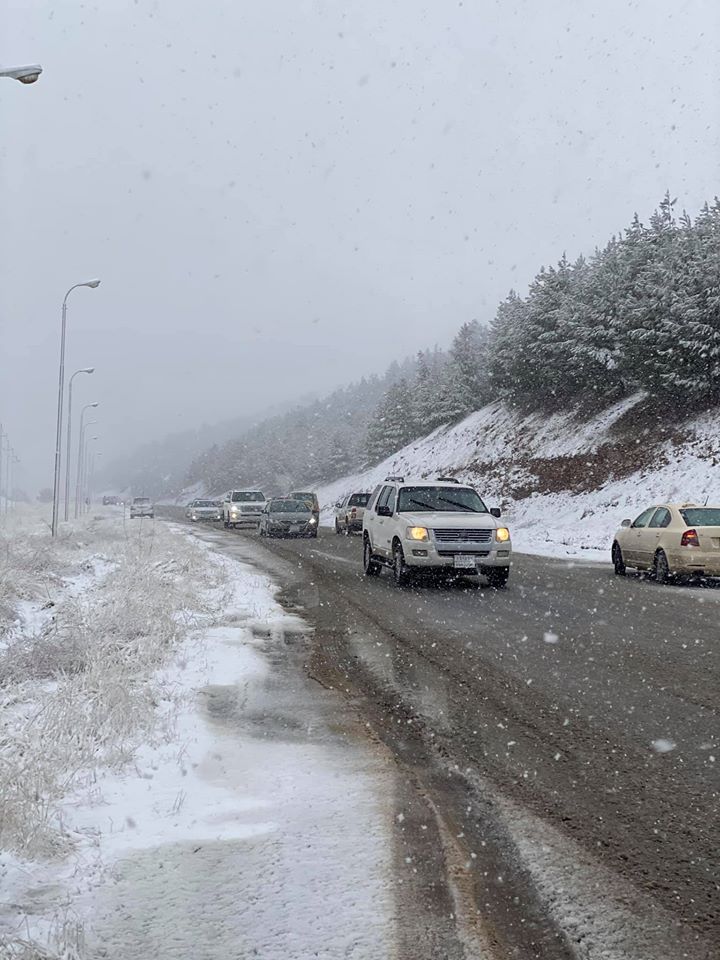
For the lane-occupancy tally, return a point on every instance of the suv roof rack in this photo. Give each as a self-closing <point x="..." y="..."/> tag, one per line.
<point x="394" y="479"/>
<point x="448" y="480"/>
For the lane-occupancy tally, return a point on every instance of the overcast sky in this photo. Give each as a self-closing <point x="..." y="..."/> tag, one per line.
<point x="281" y="196"/>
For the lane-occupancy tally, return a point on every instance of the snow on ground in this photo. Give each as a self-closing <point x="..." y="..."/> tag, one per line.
<point x="494" y="448"/>
<point x="248" y="822"/>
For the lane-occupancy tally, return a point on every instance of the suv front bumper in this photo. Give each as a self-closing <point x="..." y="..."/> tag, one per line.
<point x="430" y="555"/>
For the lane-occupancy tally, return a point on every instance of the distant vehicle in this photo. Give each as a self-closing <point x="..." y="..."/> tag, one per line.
<point x="285" y="517"/>
<point x="310" y="498"/>
<point x="241" y="507"/>
<point x="670" y="539"/>
<point x="142" y="507"/>
<point x="112" y="501"/>
<point x="202" y="510"/>
<point x="437" y="526"/>
<point x="349" y="512"/>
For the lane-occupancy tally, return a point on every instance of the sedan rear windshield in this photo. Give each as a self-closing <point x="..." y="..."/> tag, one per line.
<point x="439" y="499"/>
<point x="289" y="506"/>
<point x="701" y="516"/>
<point x="359" y="500"/>
<point x="247" y="496"/>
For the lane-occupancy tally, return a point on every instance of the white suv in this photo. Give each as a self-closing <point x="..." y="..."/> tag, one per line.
<point x="435" y="525"/>
<point x="242" y="507"/>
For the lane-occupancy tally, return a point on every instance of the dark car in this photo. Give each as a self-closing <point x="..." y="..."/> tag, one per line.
<point x="287" y="518"/>
<point x="310" y="498"/>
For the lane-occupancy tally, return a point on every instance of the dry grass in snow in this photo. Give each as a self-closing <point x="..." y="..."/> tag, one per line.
<point x="85" y="625"/>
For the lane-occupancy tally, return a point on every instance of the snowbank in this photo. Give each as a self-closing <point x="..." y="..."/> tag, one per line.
<point x="522" y="463"/>
<point x="227" y="809"/>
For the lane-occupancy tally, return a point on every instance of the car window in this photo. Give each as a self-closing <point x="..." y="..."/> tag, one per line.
<point x="644" y="518"/>
<point x="383" y="498"/>
<point x="661" y="518"/>
<point x="701" y="516"/>
<point x="391" y="499"/>
<point x="359" y="500"/>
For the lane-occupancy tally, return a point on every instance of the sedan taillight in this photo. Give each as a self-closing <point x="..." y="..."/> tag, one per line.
<point x="690" y="539"/>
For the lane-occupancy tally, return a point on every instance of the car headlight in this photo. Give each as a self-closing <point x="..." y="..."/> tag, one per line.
<point x="417" y="533"/>
<point x="313" y="520"/>
<point x="502" y="534"/>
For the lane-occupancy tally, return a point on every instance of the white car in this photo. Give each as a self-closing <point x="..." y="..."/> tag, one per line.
<point x="242" y="507"/>
<point x="434" y="525"/>
<point x="670" y="539"/>
<point x="349" y="512"/>
<point x="142" y="507"/>
<point x="202" y="510"/>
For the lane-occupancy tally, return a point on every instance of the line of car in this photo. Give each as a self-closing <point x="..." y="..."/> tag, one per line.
<point x="443" y="527"/>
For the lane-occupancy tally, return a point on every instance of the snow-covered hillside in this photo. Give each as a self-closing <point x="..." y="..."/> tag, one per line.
<point x="564" y="484"/>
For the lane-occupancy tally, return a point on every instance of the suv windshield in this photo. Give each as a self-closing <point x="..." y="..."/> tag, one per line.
<point x="246" y="496"/>
<point x="359" y="500"/>
<point x="289" y="506"/>
<point x="304" y="496"/>
<point x="701" y="516"/>
<point x="439" y="499"/>
<point x="204" y="503"/>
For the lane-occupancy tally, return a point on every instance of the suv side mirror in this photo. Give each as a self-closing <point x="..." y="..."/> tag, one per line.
<point x="384" y="511"/>
<point x="626" y="523"/>
<point x="495" y="512"/>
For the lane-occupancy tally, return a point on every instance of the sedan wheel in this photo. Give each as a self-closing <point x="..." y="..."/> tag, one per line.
<point x="618" y="561"/>
<point x="661" y="567"/>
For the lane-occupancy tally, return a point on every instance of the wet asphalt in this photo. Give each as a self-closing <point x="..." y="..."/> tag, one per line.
<point x="588" y="700"/>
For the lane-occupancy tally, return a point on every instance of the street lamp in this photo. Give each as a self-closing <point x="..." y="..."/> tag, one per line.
<point x="68" y="446"/>
<point x="61" y="388"/>
<point x="91" y="475"/>
<point x="78" y="476"/>
<point x="86" y="470"/>
<point x="26" y="74"/>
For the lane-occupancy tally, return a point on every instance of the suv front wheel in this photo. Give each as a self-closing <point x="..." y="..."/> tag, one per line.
<point x="400" y="568"/>
<point x="370" y="565"/>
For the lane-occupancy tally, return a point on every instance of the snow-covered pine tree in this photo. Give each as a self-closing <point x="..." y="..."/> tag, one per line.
<point x="469" y="357"/>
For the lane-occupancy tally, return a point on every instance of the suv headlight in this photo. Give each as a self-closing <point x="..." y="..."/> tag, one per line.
<point x="312" y="520"/>
<point x="502" y="534"/>
<point x="417" y="533"/>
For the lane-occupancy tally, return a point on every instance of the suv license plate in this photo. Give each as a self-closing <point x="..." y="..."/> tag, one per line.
<point x="464" y="563"/>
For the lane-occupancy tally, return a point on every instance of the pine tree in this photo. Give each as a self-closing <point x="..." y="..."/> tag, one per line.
<point x="469" y="358"/>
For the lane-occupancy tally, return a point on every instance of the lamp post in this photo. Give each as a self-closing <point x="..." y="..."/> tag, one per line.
<point x="81" y="451"/>
<point x="91" y="475"/>
<point x="8" y="463"/>
<point x="86" y="470"/>
<point x="68" y="446"/>
<point x="9" y="453"/>
<point x="26" y="74"/>
<point x="61" y="390"/>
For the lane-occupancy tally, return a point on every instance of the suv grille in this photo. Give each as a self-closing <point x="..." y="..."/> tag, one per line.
<point x="454" y="535"/>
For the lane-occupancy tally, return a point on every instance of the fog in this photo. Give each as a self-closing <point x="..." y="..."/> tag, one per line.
<point x="281" y="197"/>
